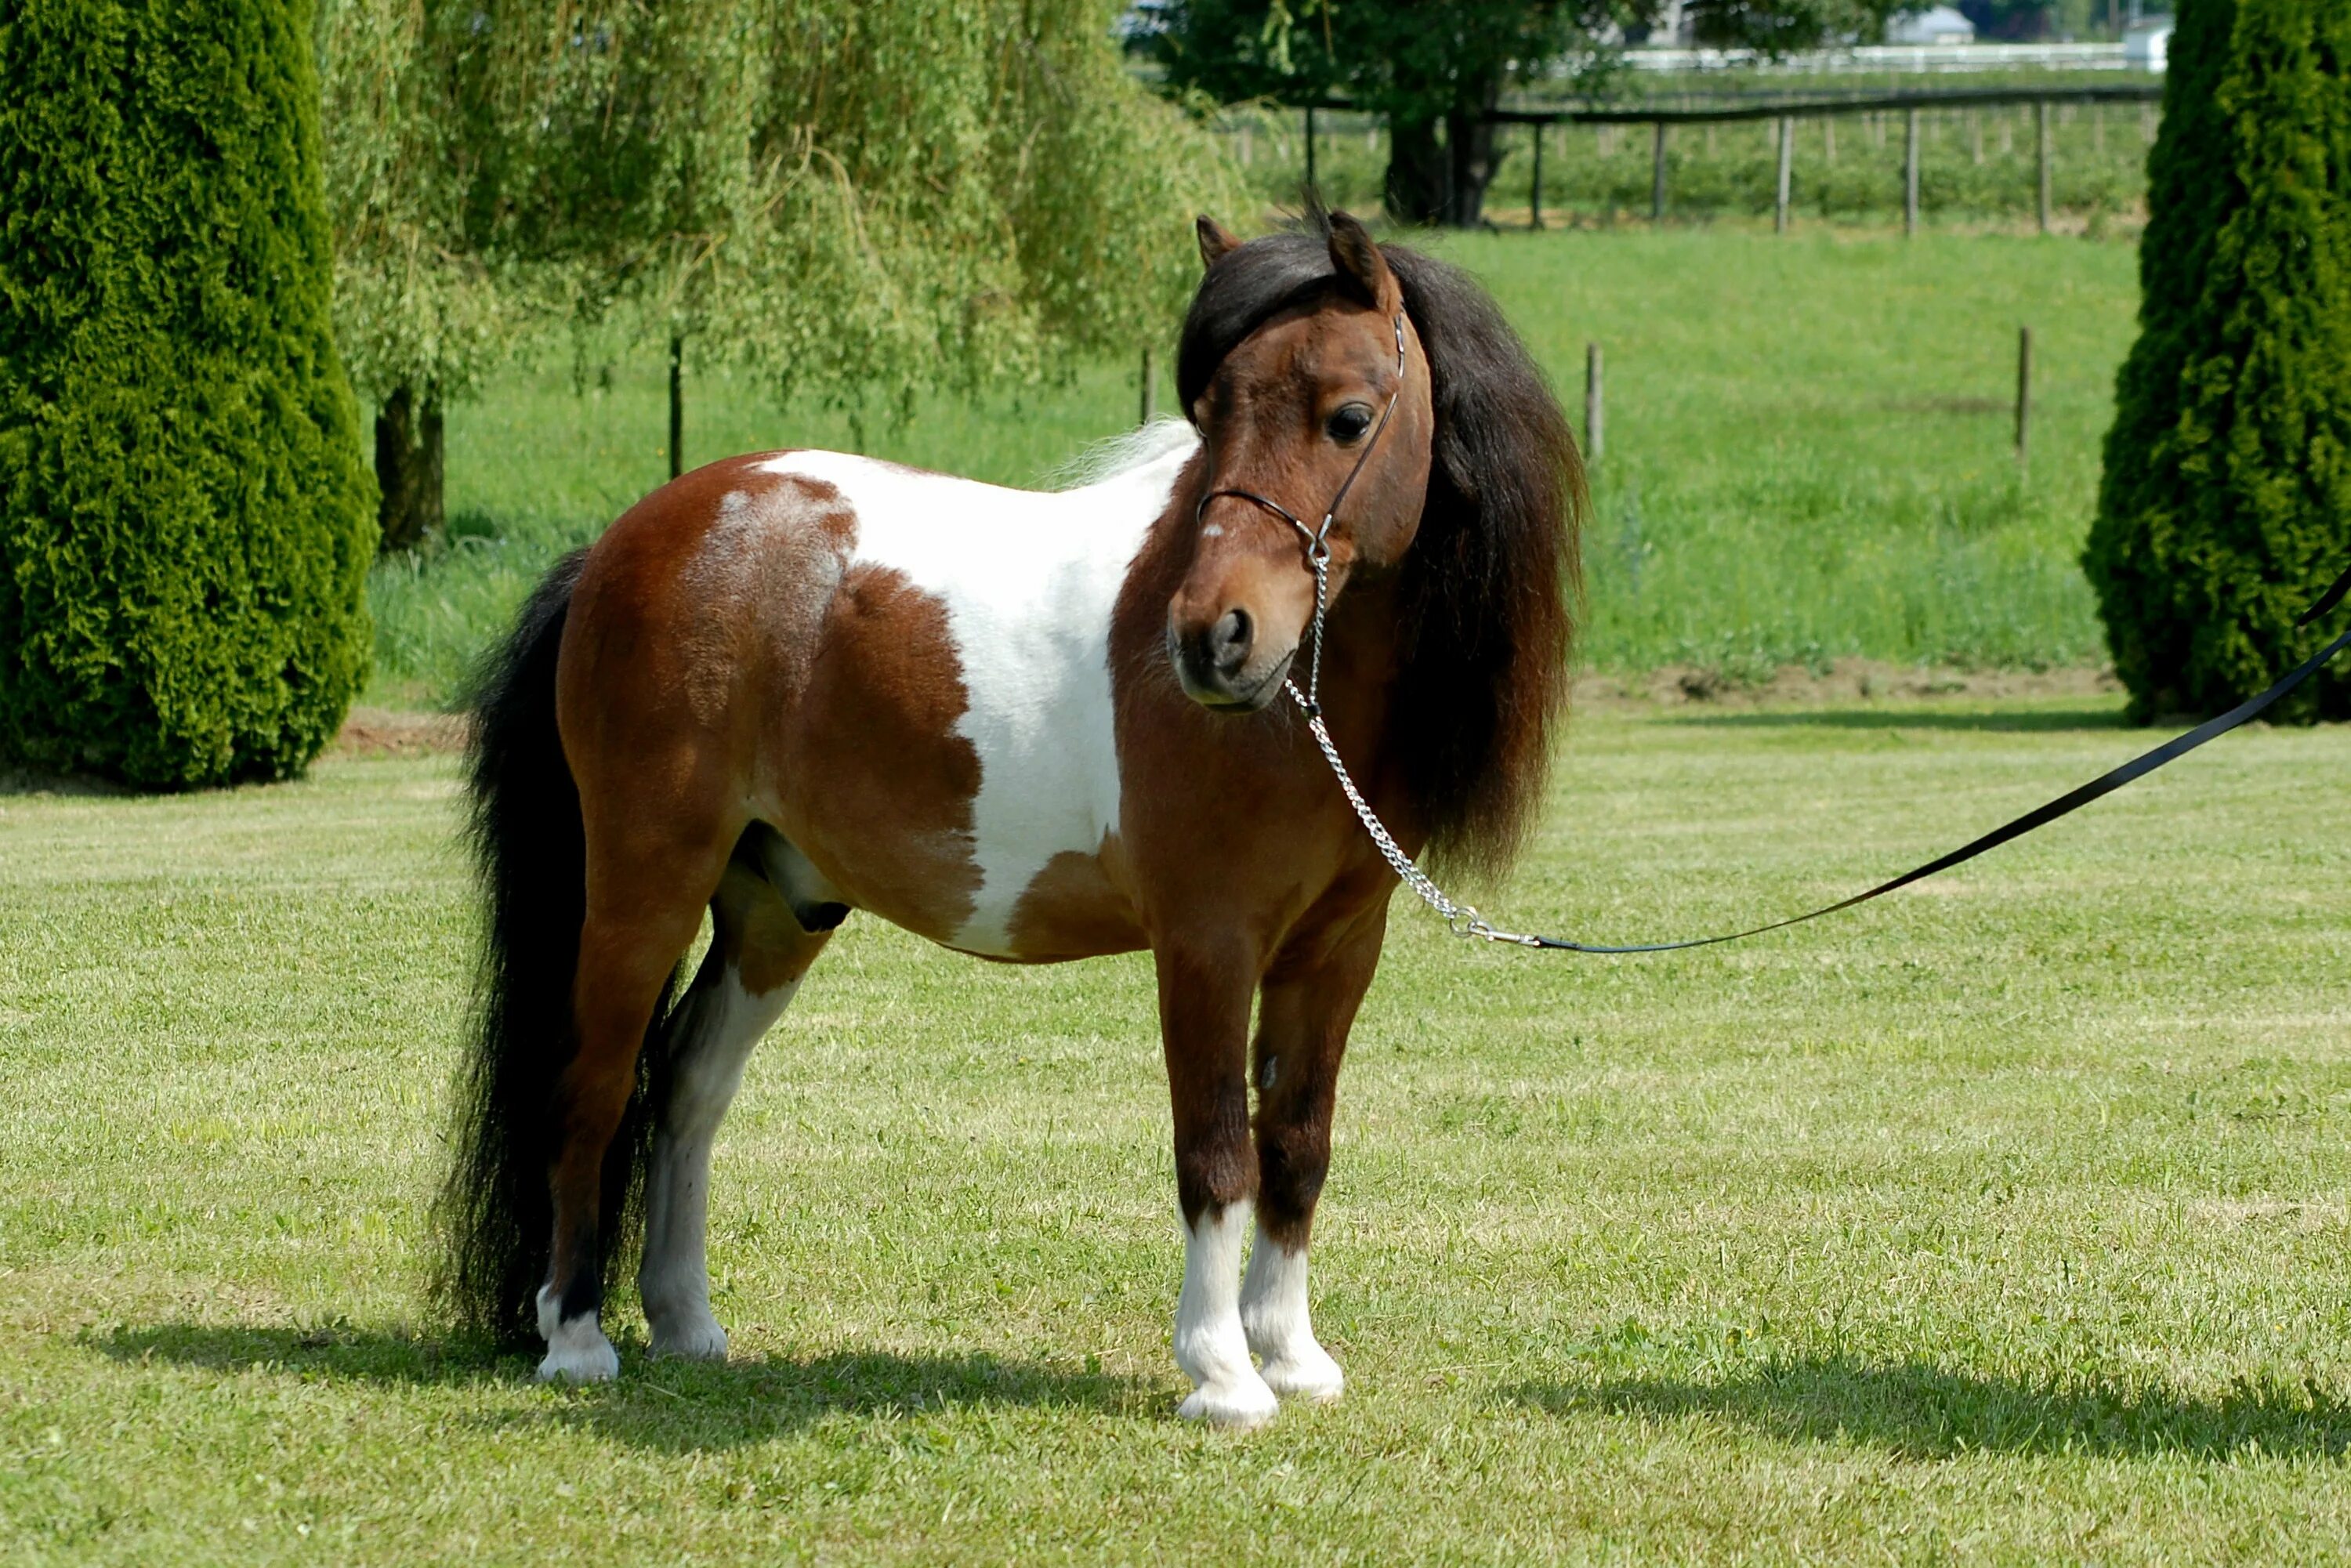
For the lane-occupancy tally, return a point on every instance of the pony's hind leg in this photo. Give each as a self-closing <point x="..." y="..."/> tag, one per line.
<point x="759" y="949"/>
<point x="1308" y="1006"/>
<point x="646" y="887"/>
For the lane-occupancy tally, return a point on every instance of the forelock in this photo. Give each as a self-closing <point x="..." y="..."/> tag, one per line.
<point x="1240" y="293"/>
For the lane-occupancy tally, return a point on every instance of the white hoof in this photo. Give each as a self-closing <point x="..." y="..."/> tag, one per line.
<point x="1238" y="1404"/>
<point x="689" y="1336"/>
<point x="575" y="1349"/>
<point x="1309" y="1374"/>
<point x="581" y="1356"/>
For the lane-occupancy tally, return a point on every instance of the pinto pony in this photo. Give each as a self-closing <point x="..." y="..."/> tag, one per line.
<point x="1028" y="726"/>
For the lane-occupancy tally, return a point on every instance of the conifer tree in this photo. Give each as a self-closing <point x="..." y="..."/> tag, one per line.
<point x="185" y="522"/>
<point x="2226" y="502"/>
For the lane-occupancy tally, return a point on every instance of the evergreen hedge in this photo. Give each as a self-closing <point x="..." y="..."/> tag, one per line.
<point x="2226" y="502"/>
<point x="185" y="518"/>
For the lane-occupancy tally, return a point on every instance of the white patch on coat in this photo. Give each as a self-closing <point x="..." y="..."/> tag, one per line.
<point x="1211" y="1345"/>
<point x="1028" y="580"/>
<point x="725" y="1021"/>
<point x="575" y="1349"/>
<point x="1274" y="1317"/>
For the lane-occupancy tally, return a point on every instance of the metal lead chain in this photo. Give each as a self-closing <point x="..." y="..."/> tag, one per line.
<point x="1461" y="919"/>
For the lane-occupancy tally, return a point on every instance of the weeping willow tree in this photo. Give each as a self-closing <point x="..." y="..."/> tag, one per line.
<point x="855" y="202"/>
<point x="419" y="315"/>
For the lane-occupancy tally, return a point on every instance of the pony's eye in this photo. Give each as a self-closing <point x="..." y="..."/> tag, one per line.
<point x="1347" y="425"/>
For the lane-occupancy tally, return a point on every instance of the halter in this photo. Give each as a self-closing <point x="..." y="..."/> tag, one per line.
<point x="1318" y="542"/>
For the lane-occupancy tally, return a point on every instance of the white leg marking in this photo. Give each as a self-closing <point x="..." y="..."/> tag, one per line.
<point x="1273" y="1315"/>
<point x="674" y="1280"/>
<point x="578" y="1349"/>
<point x="1209" y="1344"/>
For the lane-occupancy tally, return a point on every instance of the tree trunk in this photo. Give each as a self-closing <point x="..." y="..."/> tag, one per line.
<point x="1433" y="180"/>
<point x="1473" y="157"/>
<point x="1418" y="170"/>
<point x="407" y="468"/>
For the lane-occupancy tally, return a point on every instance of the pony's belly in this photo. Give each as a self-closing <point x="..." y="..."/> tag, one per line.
<point x="1072" y="908"/>
<point x="1040" y="891"/>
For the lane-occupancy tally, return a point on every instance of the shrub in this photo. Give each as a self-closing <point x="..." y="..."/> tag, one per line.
<point x="185" y="520"/>
<point x="2226" y="502"/>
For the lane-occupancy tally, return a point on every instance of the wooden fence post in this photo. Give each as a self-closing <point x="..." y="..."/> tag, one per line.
<point x="2023" y="391"/>
<point x="1310" y="147"/>
<point x="1535" y="196"/>
<point x="1657" y="177"/>
<point x="1910" y="174"/>
<point x="676" y="405"/>
<point x="2040" y="115"/>
<point x="1150" y="385"/>
<point x="1595" y="420"/>
<point x="1787" y="152"/>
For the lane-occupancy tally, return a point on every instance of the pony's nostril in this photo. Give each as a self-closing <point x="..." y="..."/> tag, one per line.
<point x="1229" y="641"/>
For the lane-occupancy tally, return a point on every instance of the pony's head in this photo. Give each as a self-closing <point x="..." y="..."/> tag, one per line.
<point x="1297" y="347"/>
<point x="1307" y="379"/>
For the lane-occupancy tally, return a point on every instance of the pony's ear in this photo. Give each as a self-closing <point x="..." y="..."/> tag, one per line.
<point x="1215" y="244"/>
<point x="1360" y="261"/>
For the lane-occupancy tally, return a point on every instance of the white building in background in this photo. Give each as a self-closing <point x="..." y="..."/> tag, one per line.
<point x="1940" y="25"/>
<point x="2147" y="44"/>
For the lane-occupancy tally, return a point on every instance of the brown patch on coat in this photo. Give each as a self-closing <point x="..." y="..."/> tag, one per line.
<point x="1077" y="908"/>
<point x="874" y="785"/>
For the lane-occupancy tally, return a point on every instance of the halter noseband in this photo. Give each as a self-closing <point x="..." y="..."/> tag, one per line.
<point x="1318" y="539"/>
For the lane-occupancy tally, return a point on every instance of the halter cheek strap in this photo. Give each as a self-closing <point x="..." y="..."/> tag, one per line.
<point x="1318" y="539"/>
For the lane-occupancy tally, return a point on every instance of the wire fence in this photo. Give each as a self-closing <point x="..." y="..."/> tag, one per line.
<point x="2063" y="155"/>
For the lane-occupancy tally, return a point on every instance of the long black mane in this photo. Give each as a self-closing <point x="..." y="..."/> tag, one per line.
<point x="1490" y="584"/>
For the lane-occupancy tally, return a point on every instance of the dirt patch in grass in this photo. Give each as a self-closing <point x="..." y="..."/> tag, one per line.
<point x="391" y="732"/>
<point x="395" y="732"/>
<point x="1846" y="681"/>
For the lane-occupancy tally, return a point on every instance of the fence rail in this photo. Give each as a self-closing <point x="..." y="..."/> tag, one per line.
<point x="1879" y="58"/>
<point x="1814" y="104"/>
<point x="1786" y="109"/>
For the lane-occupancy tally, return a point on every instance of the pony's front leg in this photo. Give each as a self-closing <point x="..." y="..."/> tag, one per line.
<point x="1309" y="999"/>
<point x="1204" y="1002"/>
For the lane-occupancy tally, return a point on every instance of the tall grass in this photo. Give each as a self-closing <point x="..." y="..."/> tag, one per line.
<point x="1809" y="448"/>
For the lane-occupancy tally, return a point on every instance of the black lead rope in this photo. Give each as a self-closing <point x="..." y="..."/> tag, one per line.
<point x="1466" y="922"/>
<point x="2073" y="800"/>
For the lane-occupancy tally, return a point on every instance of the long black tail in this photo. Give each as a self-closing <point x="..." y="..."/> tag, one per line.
<point x="495" y="1215"/>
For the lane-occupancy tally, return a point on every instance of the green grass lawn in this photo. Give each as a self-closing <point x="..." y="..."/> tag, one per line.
<point x="1809" y="449"/>
<point x="2004" y="1219"/>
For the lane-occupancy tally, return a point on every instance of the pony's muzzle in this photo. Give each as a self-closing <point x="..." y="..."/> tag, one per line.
<point x="1219" y="665"/>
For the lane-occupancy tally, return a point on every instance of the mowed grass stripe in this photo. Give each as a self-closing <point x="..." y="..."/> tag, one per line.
<point x="2005" y="1216"/>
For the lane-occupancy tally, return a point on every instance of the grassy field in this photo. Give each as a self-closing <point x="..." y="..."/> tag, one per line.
<point x="2003" y="1220"/>
<point x="1809" y="448"/>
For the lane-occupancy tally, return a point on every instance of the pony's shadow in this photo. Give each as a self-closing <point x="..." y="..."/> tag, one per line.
<point x="671" y="1405"/>
<point x="1921" y="1411"/>
<point x="27" y="781"/>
